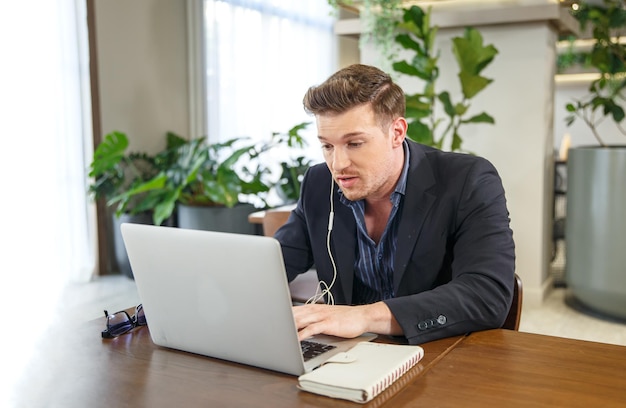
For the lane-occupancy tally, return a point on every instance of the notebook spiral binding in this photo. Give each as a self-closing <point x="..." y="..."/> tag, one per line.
<point x="394" y="376"/>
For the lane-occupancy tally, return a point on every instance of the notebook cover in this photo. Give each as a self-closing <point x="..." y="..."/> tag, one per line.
<point x="363" y="372"/>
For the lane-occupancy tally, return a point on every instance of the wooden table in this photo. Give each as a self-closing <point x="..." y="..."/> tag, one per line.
<point x="504" y="368"/>
<point x="73" y="367"/>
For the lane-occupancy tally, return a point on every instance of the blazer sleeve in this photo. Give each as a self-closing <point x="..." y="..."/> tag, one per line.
<point x="460" y="275"/>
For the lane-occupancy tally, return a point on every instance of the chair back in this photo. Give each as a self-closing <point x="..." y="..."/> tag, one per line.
<point x="274" y="219"/>
<point x="515" y="312"/>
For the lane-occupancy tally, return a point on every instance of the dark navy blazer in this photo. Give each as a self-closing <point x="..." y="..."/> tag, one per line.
<point x="455" y="261"/>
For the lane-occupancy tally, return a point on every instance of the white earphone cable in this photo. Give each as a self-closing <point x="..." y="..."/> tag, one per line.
<point x="323" y="289"/>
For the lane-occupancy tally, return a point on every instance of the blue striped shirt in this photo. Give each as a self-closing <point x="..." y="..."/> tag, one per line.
<point x="373" y="266"/>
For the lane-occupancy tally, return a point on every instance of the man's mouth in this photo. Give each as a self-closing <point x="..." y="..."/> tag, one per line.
<point x="347" y="181"/>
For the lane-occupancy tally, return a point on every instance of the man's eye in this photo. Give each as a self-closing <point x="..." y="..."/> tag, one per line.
<point x="326" y="147"/>
<point x="355" y="144"/>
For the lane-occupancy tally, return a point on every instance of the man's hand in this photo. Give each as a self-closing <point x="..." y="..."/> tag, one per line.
<point x="344" y="321"/>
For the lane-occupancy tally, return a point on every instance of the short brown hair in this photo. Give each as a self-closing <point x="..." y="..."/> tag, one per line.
<point x="356" y="85"/>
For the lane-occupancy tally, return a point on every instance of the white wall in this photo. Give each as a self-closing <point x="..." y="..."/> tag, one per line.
<point x="143" y="69"/>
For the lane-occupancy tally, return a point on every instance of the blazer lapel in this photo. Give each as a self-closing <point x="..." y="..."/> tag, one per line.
<point x="417" y="203"/>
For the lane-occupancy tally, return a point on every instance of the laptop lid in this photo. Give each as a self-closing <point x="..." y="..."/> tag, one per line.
<point x="219" y="294"/>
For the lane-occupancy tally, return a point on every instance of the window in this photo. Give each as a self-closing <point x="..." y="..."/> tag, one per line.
<point x="260" y="58"/>
<point x="45" y="116"/>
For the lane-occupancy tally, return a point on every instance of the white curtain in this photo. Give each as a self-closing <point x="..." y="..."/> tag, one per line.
<point x="48" y="222"/>
<point x="261" y="57"/>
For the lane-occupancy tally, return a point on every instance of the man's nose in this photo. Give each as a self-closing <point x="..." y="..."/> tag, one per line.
<point x="340" y="160"/>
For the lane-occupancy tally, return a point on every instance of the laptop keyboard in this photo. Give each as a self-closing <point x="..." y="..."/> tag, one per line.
<point x="311" y="349"/>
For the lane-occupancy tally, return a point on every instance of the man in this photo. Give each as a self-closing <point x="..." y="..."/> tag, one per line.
<point x="408" y="240"/>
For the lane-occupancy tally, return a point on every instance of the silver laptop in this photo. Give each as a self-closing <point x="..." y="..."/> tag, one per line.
<point x="221" y="295"/>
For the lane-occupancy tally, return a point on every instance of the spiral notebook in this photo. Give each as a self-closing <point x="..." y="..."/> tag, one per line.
<point x="363" y="372"/>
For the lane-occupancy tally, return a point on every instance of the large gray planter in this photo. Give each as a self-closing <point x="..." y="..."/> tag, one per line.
<point x="120" y="255"/>
<point x="596" y="228"/>
<point x="219" y="219"/>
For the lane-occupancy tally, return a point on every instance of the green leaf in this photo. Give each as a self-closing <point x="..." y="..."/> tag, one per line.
<point x="149" y="201"/>
<point x="480" y="118"/>
<point x="438" y="144"/>
<point x="426" y="66"/>
<point x="472" y="84"/>
<point x="417" y="107"/>
<point x="415" y="113"/>
<point x="173" y="141"/>
<point x="109" y="153"/>
<point x="294" y="131"/>
<point x="155" y="183"/>
<point x="254" y="187"/>
<point x="444" y="97"/>
<point x="420" y="133"/>
<point x="460" y="108"/>
<point x="294" y="139"/>
<point x="407" y="42"/>
<point x="598" y="101"/>
<point x="430" y="37"/>
<point x="617" y="112"/>
<point x="418" y="101"/>
<point x="456" y="142"/>
<point x="214" y="191"/>
<point x="416" y="16"/>
<point x="411" y="70"/>
<point x="470" y="53"/>
<point x="231" y="160"/>
<point x="165" y="208"/>
<point x="193" y="170"/>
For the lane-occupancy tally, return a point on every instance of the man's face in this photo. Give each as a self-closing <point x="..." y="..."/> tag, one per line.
<point x="364" y="159"/>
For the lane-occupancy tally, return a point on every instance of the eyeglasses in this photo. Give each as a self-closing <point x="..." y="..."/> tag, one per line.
<point x="120" y="322"/>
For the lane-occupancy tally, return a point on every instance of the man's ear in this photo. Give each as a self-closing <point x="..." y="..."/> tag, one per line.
<point x="398" y="131"/>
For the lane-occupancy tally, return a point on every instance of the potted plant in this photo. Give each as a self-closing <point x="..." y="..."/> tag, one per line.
<point x="115" y="171"/>
<point x="293" y="168"/>
<point x="201" y="176"/>
<point x="596" y="194"/>
<point x="426" y="126"/>
<point x="212" y="185"/>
